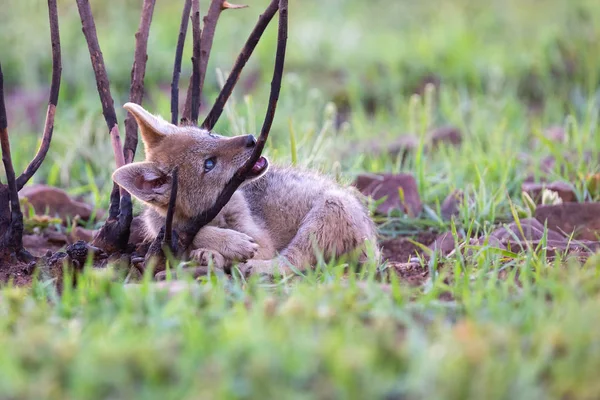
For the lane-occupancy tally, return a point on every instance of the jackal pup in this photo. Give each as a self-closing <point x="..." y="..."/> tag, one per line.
<point x="277" y="218"/>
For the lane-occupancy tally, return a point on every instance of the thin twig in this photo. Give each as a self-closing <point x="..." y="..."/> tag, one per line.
<point x="217" y="109"/>
<point x="108" y="109"/>
<point x="14" y="235"/>
<point x="171" y="209"/>
<point x="114" y="234"/>
<point x="167" y="238"/>
<point x="193" y="93"/>
<point x="275" y="89"/>
<point x="177" y="64"/>
<point x="3" y="119"/>
<point x="138" y="71"/>
<point x="208" y="33"/>
<point x="205" y="217"/>
<point x="205" y="41"/>
<point x="37" y="161"/>
<point x="114" y="206"/>
<point x="196" y="81"/>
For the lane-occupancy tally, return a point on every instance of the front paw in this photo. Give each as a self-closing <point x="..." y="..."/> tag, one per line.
<point x="206" y="257"/>
<point x="239" y="247"/>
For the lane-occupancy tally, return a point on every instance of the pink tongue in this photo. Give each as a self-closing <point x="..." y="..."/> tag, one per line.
<point x="259" y="165"/>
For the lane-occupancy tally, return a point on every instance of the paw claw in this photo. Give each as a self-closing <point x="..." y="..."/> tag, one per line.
<point x="240" y="247"/>
<point x="207" y="257"/>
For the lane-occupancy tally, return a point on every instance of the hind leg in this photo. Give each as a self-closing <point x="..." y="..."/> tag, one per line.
<point x="338" y="224"/>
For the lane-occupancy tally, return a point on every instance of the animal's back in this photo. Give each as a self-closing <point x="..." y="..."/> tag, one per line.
<point x="283" y="197"/>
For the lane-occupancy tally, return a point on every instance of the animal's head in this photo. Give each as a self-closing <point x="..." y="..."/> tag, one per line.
<point x="206" y="163"/>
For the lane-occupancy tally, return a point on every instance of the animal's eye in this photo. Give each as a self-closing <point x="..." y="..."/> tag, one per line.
<point x="209" y="164"/>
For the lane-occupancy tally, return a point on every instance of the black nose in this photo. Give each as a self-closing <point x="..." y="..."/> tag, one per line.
<point x="250" y="141"/>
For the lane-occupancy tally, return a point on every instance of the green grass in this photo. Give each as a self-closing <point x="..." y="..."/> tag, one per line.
<point x="509" y="69"/>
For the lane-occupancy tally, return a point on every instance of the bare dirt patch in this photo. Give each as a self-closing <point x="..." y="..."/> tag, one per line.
<point x="401" y="249"/>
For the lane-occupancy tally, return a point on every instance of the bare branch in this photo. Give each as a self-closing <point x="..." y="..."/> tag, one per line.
<point x="205" y="217"/>
<point x="177" y="64"/>
<point x="217" y="109"/>
<point x="114" y="234"/>
<point x="37" y="161"/>
<point x="3" y="119"/>
<point x="196" y="81"/>
<point x="192" y="103"/>
<point x="275" y="88"/>
<point x="108" y="109"/>
<point x="208" y="33"/>
<point x="192" y="100"/>
<point x="138" y="71"/>
<point x="113" y="210"/>
<point x="171" y="209"/>
<point x="228" y="6"/>
<point x="13" y="237"/>
<point x="167" y="238"/>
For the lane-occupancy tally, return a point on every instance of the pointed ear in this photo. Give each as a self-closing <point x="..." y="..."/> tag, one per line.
<point x="152" y="129"/>
<point x="146" y="181"/>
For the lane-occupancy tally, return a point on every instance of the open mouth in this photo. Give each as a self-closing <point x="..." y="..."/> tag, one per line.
<point x="259" y="167"/>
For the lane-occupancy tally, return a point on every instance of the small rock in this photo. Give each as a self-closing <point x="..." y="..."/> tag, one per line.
<point x="548" y="164"/>
<point x="446" y="135"/>
<point x="443" y="244"/>
<point x="29" y="268"/>
<point x="79" y="251"/>
<point x="38" y="245"/>
<point x="35" y="241"/>
<point x="56" y="258"/>
<point x="451" y="205"/>
<point x="580" y="219"/>
<point x="402" y="145"/>
<point x="55" y="237"/>
<point x="363" y="181"/>
<point x="565" y="191"/>
<point x="532" y="230"/>
<point x="53" y="201"/>
<point x="389" y="185"/>
<point x="510" y="237"/>
<point x="80" y="233"/>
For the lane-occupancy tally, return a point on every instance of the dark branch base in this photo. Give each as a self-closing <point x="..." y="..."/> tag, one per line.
<point x="155" y="257"/>
<point x="11" y="232"/>
<point x="114" y="234"/>
<point x="15" y="256"/>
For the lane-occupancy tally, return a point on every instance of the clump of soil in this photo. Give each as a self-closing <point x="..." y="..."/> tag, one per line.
<point x="401" y="250"/>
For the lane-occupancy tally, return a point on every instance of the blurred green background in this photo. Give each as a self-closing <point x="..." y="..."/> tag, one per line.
<point x="358" y="74"/>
